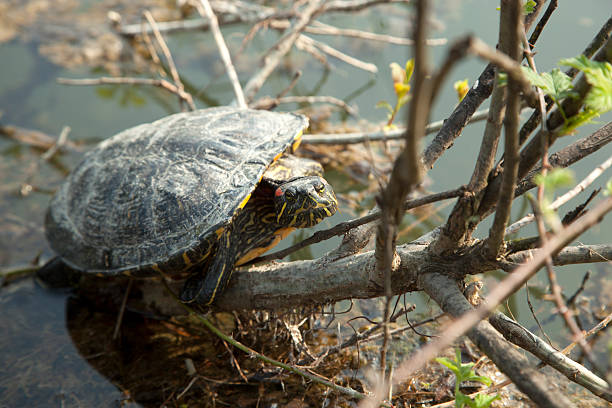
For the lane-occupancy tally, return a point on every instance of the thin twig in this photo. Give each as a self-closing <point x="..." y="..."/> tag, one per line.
<point x="344" y="227"/>
<point x="407" y="171"/>
<point x="252" y="353"/>
<point x="161" y="83"/>
<point x="580" y="187"/>
<point x="268" y="103"/>
<point x="599" y="326"/>
<point x="309" y="42"/>
<point x="122" y="309"/>
<point x="26" y="185"/>
<point x="394" y="134"/>
<point x="206" y="11"/>
<point x="171" y="65"/>
<point x="575" y="372"/>
<point x="500" y="292"/>
<point x="572" y="299"/>
<point x="506" y="64"/>
<point x="296" y="77"/>
<point x="281" y="48"/>
<point x="253" y="15"/>
<point x="61" y="141"/>
<point x="555" y="288"/>
<point x="511" y="30"/>
<point x="326" y="29"/>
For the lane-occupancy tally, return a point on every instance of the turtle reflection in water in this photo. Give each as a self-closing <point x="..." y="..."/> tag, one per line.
<point x="197" y="192"/>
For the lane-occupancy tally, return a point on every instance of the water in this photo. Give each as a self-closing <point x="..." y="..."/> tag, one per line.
<point x="57" y="351"/>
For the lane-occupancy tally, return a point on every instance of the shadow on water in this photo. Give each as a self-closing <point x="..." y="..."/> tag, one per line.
<point x="61" y="352"/>
<point x="45" y="366"/>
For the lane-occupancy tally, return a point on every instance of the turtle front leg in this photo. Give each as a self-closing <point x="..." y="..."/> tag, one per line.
<point x="203" y="290"/>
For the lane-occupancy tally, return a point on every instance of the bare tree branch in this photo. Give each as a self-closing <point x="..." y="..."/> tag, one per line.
<point x="511" y="31"/>
<point x="206" y="11"/>
<point x="407" y="170"/>
<point x="538" y="387"/>
<point x="393" y="134"/>
<point x="580" y="187"/>
<point x="508" y="286"/>
<point x="528" y="341"/>
<point x="532" y="152"/>
<point x="567" y="256"/>
<point x="281" y="48"/>
<point x="161" y="83"/>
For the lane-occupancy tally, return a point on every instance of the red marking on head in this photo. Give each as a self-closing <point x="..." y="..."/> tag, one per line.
<point x="278" y="192"/>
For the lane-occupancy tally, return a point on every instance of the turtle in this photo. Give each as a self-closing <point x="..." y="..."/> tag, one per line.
<point x="191" y="195"/>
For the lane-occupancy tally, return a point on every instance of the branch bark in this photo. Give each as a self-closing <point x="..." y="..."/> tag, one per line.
<point x="526" y="340"/>
<point x="508" y="286"/>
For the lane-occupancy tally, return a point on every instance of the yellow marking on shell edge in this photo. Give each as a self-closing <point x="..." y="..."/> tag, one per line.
<point x="254" y="253"/>
<point x="298" y="140"/>
<point x="219" y="231"/>
<point x="246" y="199"/>
<point x="186" y="260"/>
<point x="156" y="268"/>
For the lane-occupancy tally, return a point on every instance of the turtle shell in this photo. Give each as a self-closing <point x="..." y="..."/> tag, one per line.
<point x="156" y="192"/>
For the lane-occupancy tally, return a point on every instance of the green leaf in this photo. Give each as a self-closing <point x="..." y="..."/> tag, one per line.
<point x="578" y="120"/>
<point x="555" y="179"/>
<point x="409" y="70"/>
<point x="608" y="192"/>
<point x="481" y="379"/>
<point x="599" y="76"/>
<point x="580" y="62"/>
<point x="555" y="84"/>
<point x="562" y="84"/>
<point x="384" y="104"/>
<point x="529" y="6"/>
<point x="462" y="400"/>
<point x="599" y="97"/>
<point x="448" y="363"/>
<point x="484" y="401"/>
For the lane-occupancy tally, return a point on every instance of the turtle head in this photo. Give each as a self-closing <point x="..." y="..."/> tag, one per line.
<point x="304" y="201"/>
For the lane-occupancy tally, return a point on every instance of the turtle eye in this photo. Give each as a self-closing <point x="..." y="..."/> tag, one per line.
<point x="289" y="194"/>
<point x="319" y="188"/>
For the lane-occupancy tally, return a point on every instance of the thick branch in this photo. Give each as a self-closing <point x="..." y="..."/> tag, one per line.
<point x="303" y="283"/>
<point x="568" y="256"/>
<point x="511" y="32"/>
<point x="287" y="285"/>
